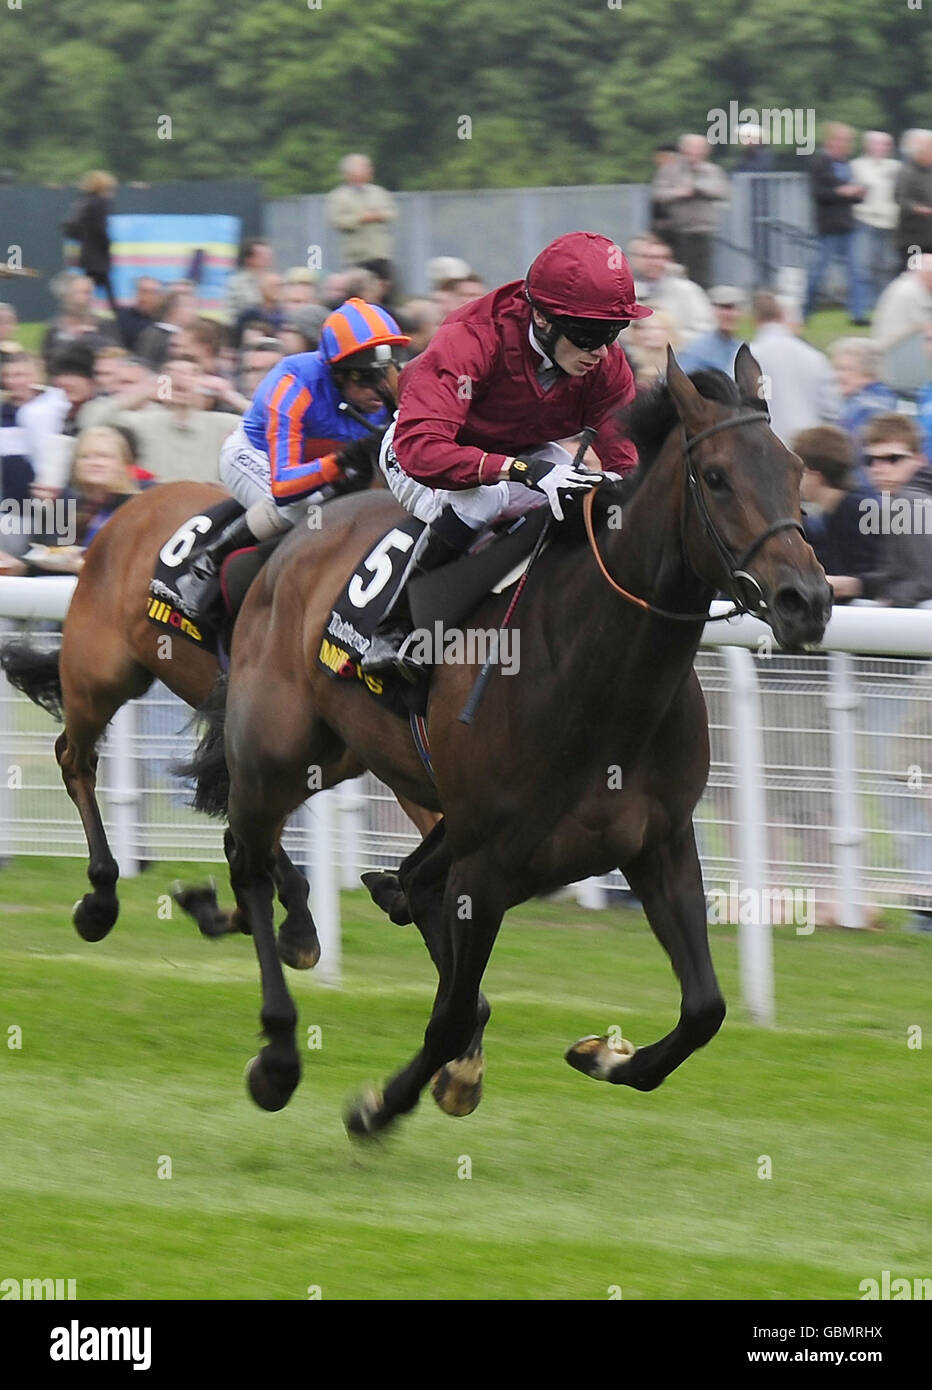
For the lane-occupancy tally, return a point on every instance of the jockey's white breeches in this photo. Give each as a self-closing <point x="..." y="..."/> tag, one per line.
<point x="476" y="506"/>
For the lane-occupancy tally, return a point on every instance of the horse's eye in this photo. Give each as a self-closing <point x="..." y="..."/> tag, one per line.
<point x="715" y="480"/>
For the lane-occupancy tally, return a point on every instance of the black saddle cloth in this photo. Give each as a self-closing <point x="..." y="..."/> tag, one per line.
<point x="166" y="609"/>
<point x="439" y="600"/>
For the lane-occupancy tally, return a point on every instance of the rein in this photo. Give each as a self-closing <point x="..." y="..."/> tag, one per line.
<point x="735" y="568"/>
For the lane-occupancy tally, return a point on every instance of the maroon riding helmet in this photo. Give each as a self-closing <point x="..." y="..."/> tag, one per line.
<point x="583" y="286"/>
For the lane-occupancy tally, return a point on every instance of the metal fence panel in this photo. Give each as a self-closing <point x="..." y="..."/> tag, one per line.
<point x="499" y="231"/>
<point x="893" y="740"/>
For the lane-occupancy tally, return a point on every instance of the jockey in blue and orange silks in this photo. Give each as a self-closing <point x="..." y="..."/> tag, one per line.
<point x="287" y="452"/>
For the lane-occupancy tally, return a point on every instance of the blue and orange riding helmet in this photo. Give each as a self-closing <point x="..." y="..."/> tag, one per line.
<point x="360" y="336"/>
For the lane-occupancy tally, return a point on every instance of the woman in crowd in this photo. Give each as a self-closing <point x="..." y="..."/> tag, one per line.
<point x="104" y="475"/>
<point x="87" y="225"/>
<point x="645" y="345"/>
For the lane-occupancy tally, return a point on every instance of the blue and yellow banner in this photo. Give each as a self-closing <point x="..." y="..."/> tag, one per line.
<point x="173" y="247"/>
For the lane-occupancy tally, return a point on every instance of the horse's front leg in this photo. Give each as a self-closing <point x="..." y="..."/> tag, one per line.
<point x="668" y="880"/>
<point x="460" y="942"/>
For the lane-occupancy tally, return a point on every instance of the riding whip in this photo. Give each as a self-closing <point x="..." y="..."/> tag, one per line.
<point x="361" y="419"/>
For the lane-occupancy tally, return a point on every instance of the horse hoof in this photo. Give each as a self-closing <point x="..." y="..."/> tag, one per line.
<point x="457" y="1087"/>
<point x="361" y="1117"/>
<point x="93" y="917"/>
<point x="598" y="1058"/>
<point x="386" y="892"/>
<point x="302" y="955"/>
<point x="201" y="904"/>
<point x="269" y="1092"/>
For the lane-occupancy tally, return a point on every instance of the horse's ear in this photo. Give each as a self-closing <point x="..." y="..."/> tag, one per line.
<point x="686" y="398"/>
<point x="750" y="378"/>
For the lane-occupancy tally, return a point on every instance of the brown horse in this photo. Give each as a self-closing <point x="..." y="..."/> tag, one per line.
<point x="593" y="756"/>
<point x="111" y="653"/>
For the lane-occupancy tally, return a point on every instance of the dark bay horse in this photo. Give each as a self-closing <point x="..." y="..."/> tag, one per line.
<point x="592" y="757"/>
<point x="111" y="653"/>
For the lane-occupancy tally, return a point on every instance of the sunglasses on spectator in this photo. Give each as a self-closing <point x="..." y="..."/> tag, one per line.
<point x="590" y="334"/>
<point x="889" y="458"/>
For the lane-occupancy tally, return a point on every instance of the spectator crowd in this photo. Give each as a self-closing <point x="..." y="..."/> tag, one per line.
<point x="135" y="394"/>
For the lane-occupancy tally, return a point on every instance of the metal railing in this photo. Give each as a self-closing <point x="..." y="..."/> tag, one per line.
<point x="501" y="230"/>
<point x="821" y="777"/>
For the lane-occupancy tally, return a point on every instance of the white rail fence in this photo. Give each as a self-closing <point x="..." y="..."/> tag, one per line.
<point x="819" y="786"/>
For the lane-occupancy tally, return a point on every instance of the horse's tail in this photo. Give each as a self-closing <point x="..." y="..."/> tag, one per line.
<point x="34" y="671"/>
<point x="208" y="764"/>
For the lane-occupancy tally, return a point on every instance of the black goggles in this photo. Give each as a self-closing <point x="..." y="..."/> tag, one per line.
<point x="367" y="376"/>
<point x="590" y="334"/>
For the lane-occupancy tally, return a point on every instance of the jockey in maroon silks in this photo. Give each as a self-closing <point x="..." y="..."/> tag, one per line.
<point x="504" y="377"/>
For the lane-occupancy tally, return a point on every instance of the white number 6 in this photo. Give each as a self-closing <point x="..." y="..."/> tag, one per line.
<point x="179" y="546"/>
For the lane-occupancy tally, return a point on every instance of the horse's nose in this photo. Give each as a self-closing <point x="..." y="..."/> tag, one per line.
<point x="801" y="611"/>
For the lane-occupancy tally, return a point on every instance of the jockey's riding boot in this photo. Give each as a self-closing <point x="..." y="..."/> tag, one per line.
<point x="447" y="538"/>
<point x="199" y="587"/>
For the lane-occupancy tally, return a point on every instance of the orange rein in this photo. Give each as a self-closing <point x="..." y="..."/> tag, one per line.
<point x="588" y="501"/>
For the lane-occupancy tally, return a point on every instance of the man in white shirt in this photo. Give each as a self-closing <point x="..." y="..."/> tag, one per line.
<point x="658" y="284"/>
<point x="178" y="440"/>
<point x="798" y="380"/>
<point x="31" y="418"/>
<point x="905" y="307"/>
<point x="876" y="217"/>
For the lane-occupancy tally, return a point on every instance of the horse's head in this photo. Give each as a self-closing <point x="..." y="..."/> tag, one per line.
<point x="743" y="526"/>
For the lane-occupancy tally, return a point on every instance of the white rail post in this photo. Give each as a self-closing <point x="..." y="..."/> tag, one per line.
<point x="124" y="794"/>
<point x="755" y="945"/>
<point x="324" y="893"/>
<point x="351" y="804"/>
<point x="847" y="835"/>
<point x="590" y="894"/>
<point x="7" y="817"/>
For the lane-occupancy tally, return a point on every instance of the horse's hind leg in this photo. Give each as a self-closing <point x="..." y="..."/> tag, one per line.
<point x="298" y="945"/>
<point x="384" y="886"/>
<point x="97" y="911"/>
<point x="86" y="716"/>
<point x="250" y="849"/>
<point x="668" y="880"/>
<point x="201" y="903"/>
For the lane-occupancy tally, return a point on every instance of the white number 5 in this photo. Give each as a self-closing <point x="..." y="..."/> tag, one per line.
<point x="379" y="562"/>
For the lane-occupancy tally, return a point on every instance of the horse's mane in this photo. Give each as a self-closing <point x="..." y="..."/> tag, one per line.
<point x="651" y="416"/>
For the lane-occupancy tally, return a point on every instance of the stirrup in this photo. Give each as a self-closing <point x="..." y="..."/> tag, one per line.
<point x="384" y="651"/>
<point x="390" y="653"/>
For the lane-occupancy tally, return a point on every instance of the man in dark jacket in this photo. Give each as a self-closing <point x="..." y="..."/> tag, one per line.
<point x="87" y="224"/>
<point x="902" y="517"/>
<point x="834" y="194"/>
<point x="833" y="497"/>
<point x="135" y="318"/>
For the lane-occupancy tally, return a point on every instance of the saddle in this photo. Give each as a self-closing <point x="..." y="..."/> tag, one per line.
<point x="436" y="602"/>
<point x="165" y="608"/>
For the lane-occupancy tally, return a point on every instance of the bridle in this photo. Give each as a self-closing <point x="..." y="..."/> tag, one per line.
<point x="735" y="568"/>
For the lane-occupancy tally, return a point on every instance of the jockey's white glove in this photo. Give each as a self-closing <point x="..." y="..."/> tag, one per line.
<point x="560" y="482"/>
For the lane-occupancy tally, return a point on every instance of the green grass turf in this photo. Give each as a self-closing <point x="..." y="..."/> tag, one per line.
<point x="134" y="1048"/>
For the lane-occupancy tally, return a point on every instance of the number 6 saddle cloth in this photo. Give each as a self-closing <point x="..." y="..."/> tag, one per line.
<point x="164" y="605"/>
